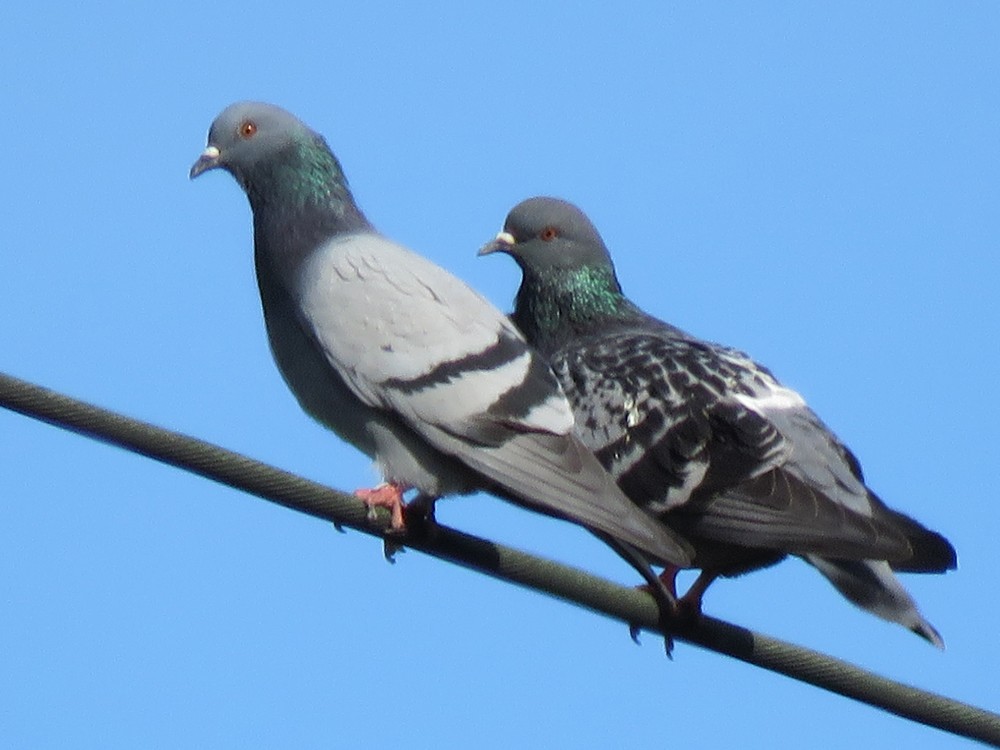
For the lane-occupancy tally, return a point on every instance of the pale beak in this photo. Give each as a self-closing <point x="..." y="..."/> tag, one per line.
<point x="209" y="159"/>
<point x="504" y="243"/>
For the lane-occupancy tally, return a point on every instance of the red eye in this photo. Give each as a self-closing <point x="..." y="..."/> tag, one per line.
<point x="247" y="129"/>
<point x="548" y="234"/>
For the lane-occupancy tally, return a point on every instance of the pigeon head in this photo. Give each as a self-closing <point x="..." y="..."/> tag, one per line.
<point x="550" y="235"/>
<point x="568" y="284"/>
<point x="281" y="164"/>
<point x="248" y="136"/>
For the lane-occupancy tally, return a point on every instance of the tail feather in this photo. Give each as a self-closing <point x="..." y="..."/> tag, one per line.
<point x="932" y="553"/>
<point x="871" y="585"/>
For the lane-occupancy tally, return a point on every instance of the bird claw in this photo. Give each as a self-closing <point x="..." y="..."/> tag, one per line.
<point x="387" y="495"/>
<point x="389" y="550"/>
<point x="674" y="612"/>
<point x="633" y="632"/>
<point x="668" y="640"/>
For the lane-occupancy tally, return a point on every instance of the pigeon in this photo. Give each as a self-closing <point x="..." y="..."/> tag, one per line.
<point x="402" y="359"/>
<point x="703" y="436"/>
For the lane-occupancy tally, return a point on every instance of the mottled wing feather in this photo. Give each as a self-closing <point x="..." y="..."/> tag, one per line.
<point x="713" y="441"/>
<point x="658" y="423"/>
<point x="410" y="338"/>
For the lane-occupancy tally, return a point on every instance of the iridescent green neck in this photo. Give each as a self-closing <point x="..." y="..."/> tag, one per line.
<point x="312" y="174"/>
<point x="306" y="179"/>
<point x="300" y="199"/>
<point x="568" y="302"/>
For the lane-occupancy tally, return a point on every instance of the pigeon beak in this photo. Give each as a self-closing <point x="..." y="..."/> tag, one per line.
<point x="209" y="159"/>
<point x="504" y="243"/>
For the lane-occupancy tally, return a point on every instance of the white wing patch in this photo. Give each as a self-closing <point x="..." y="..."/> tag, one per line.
<point x="775" y="398"/>
<point x="551" y="415"/>
<point x="816" y="461"/>
<point x="472" y="392"/>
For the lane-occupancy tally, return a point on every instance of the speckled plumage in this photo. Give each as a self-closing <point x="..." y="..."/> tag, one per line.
<point x="399" y="357"/>
<point x="702" y="435"/>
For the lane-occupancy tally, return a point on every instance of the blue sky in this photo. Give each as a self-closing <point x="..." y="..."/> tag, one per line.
<point x="817" y="185"/>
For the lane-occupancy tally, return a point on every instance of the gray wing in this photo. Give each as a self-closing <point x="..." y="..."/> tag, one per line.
<point x="410" y="338"/>
<point x="706" y="437"/>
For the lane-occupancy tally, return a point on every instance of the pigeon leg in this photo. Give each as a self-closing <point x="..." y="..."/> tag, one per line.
<point x="663" y="587"/>
<point x="665" y="597"/>
<point x="690" y="604"/>
<point x="669" y="579"/>
<point x="387" y="495"/>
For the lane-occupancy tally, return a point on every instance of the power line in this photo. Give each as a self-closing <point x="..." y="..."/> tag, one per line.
<point x="570" y="584"/>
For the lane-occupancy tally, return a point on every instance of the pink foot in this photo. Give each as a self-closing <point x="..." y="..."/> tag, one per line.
<point x="387" y="495"/>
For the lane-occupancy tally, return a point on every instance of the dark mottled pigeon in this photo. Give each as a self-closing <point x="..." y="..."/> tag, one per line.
<point x="399" y="357"/>
<point x="703" y="436"/>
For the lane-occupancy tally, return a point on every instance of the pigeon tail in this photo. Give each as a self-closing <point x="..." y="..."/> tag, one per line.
<point x="871" y="585"/>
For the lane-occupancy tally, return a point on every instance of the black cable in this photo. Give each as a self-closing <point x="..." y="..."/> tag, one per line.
<point x="570" y="584"/>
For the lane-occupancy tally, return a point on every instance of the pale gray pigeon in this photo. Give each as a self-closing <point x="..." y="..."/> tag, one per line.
<point x="400" y="358"/>
<point x="703" y="436"/>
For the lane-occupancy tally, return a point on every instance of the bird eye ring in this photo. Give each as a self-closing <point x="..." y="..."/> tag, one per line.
<point x="548" y="234"/>
<point x="247" y="129"/>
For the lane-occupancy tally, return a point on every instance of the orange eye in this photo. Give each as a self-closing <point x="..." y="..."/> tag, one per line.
<point x="548" y="234"/>
<point x="247" y="129"/>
